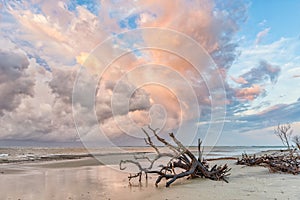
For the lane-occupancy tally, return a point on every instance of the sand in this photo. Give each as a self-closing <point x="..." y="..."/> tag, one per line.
<point x="88" y="179"/>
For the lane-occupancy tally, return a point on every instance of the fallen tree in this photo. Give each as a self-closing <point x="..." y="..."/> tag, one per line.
<point x="287" y="162"/>
<point x="278" y="162"/>
<point x="180" y="159"/>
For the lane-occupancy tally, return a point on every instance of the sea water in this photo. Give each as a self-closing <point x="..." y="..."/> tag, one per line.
<point x="28" y="153"/>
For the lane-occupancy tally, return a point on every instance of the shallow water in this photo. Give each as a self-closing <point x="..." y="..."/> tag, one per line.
<point x="89" y="182"/>
<point x="36" y="181"/>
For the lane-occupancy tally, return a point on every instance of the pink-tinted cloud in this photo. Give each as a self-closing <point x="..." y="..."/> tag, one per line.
<point x="249" y="93"/>
<point x="61" y="37"/>
<point x="239" y="80"/>
<point x="261" y="35"/>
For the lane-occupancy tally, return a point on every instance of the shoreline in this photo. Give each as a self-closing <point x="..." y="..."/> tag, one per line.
<point x="86" y="178"/>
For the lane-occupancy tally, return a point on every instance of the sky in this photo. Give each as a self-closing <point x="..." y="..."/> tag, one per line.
<point x="98" y="71"/>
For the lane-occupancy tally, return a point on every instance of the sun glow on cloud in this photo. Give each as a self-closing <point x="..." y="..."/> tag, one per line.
<point x="62" y="34"/>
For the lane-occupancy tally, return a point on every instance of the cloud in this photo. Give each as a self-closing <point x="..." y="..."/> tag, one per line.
<point x="239" y="80"/>
<point x="15" y="80"/>
<point x="264" y="72"/>
<point x="262" y="23"/>
<point x="45" y="42"/>
<point x="287" y="48"/>
<point x="139" y="100"/>
<point x="261" y="35"/>
<point x="56" y="37"/>
<point x="252" y="83"/>
<point x="40" y="115"/>
<point x="249" y="93"/>
<point x="62" y="83"/>
<point x="58" y="33"/>
<point x="215" y="32"/>
<point x="271" y="116"/>
<point x="252" y="128"/>
<point x="274" y="76"/>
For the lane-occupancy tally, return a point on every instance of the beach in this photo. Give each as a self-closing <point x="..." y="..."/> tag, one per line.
<point x="87" y="178"/>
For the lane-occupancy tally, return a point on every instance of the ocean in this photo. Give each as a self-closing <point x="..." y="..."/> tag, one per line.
<point x="14" y="154"/>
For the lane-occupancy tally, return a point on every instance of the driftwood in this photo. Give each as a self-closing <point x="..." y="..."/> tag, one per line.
<point x="287" y="163"/>
<point x="180" y="158"/>
<point x="296" y="140"/>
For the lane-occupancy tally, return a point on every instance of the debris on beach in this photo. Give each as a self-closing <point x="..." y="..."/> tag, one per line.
<point x="286" y="161"/>
<point x="277" y="162"/>
<point x="181" y="163"/>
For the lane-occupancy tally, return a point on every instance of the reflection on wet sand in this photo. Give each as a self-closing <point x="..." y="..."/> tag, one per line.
<point x="64" y="182"/>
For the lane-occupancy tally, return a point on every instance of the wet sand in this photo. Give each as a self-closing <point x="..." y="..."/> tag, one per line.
<point x="89" y="179"/>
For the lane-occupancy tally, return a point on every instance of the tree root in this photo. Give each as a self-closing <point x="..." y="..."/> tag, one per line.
<point x="180" y="158"/>
<point x="288" y="163"/>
